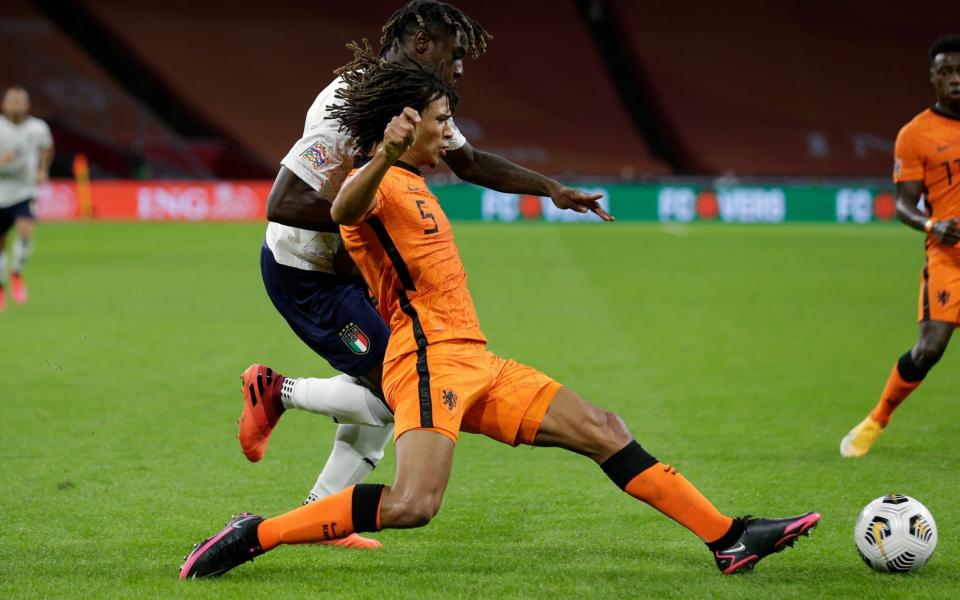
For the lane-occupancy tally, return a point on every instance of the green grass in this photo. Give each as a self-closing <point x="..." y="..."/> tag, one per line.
<point x="741" y="355"/>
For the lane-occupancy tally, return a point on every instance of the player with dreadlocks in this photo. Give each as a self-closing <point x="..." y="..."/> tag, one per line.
<point x="366" y="99"/>
<point x="413" y="17"/>
<point x="439" y="378"/>
<point x="308" y="276"/>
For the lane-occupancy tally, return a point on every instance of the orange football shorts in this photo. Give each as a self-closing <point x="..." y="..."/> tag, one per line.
<point x="458" y="386"/>
<point x="940" y="287"/>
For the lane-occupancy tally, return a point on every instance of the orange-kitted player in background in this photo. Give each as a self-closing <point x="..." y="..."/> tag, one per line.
<point x="927" y="165"/>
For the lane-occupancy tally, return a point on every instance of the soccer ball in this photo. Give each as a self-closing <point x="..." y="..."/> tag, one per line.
<point x="895" y="533"/>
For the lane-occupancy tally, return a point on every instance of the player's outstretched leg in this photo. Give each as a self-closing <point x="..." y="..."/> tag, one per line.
<point x="573" y="423"/>
<point x="234" y="545"/>
<point x="262" y="407"/>
<point x="424" y="462"/>
<point x="343" y="398"/>
<point x="267" y="394"/>
<point x="244" y="537"/>
<point x="760" y="538"/>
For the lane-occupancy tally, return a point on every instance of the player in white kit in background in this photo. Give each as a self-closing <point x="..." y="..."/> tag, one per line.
<point x="26" y="151"/>
<point x="311" y="281"/>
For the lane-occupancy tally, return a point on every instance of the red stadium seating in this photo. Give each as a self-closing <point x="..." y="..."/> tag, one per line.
<point x="746" y="88"/>
<point x="786" y="88"/>
<point x="540" y="96"/>
<point x="85" y="107"/>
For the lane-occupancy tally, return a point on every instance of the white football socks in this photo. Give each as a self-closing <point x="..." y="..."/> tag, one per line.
<point x="3" y="266"/>
<point x="340" y="397"/>
<point x="22" y="249"/>
<point x="356" y="451"/>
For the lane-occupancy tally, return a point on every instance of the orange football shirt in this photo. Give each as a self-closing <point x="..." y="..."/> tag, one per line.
<point x="406" y="252"/>
<point x="928" y="150"/>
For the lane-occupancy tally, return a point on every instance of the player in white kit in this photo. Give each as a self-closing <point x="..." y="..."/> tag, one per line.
<point x="312" y="282"/>
<point x="26" y="151"/>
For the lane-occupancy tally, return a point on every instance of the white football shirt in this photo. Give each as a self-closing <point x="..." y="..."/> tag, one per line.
<point x="322" y="158"/>
<point x="20" y="147"/>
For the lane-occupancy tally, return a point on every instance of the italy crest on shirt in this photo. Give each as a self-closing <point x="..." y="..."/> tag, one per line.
<point x="355" y="339"/>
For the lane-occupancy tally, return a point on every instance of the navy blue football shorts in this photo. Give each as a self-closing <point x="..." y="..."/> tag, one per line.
<point x="331" y="314"/>
<point x="10" y="214"/>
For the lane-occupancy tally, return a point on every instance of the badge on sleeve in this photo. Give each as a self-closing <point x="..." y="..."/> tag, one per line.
<point x="316" y="155"/>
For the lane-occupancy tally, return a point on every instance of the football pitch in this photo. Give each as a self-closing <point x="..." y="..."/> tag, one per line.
<point x="739" y="354"/>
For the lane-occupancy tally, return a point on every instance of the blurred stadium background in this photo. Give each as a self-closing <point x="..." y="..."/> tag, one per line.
<point x="742" y="111"/>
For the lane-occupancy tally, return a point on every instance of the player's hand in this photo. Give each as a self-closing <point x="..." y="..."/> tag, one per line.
<point x="400" y="133"/>
<point x="42" y="177"/>
<point x="568" y="198"/>
<point x="946" y="231"/>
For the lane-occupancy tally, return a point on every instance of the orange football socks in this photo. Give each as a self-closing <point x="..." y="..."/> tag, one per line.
<point x="895" y="392"/>
<point x="323" y="520"/>
<point x="663" y="488"/>
<point x="639" y="474"/>
<point x="353" y="510"/>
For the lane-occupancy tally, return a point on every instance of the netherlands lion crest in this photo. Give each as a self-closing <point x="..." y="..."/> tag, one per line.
<point x="449" y="399"/>
<point x="943" y="297"/>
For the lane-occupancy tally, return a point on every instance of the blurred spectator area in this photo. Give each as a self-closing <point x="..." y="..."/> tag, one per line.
<point x="86" y="109"/>
<point x="792" y="87"/>
<point x="575" y="88"/>
<point x="540" y="96"/>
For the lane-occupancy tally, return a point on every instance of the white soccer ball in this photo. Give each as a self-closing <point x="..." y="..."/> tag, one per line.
<point x="895" y="533"/>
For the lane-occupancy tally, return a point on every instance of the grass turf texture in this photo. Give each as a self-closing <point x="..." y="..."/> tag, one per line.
<point x="741" y="355"/>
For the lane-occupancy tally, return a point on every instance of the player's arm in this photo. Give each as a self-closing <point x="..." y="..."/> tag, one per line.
<point x="293" y="202"/>
<point x="358" y="195"/>
<point x="43" y="167"/>
<point x="498" y="173"/>
<point x="908" y="195"/>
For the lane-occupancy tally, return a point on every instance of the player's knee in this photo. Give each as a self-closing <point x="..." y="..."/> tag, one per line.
<point x="606" y="433"/>
<point x="24" y="228"/>
<point x="417" y="512"/>
<point x="926" y="358"/>
<point x="368" y="442"/>
<point x="616" y="431"/>
<point x="928" y="351"/>
<point x="373" y="457"/>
